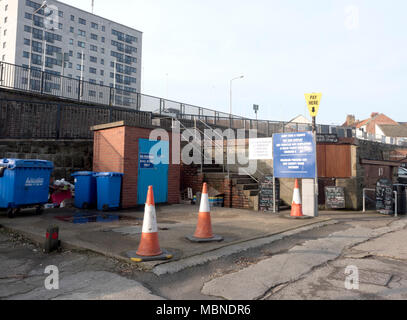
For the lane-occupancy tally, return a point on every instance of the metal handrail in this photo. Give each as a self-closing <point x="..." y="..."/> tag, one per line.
<point x="395" y="201"/>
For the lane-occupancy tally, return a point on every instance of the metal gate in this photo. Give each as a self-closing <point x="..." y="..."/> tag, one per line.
<point x="150" y="173"/>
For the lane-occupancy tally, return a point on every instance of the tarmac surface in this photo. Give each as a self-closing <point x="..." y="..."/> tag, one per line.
<point x="122" y="230"/>
<point x="282" y="259"/>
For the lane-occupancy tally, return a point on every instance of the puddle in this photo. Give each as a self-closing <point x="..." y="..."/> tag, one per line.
<point x="91" y="217"/>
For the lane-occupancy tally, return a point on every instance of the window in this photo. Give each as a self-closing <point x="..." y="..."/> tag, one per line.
<point x="27" y="29"/>
<point x="51" y="50"/>
<point x="93" y="48"/>
<point x="70" y="41"/>
<point x="93" y="59"/>
<point x="72" y="30"/>
<point x="102" y="72"/>
<point x="61" y="14"/>
<point x="37" y="46"/>
<point x="79" y="67"/>
<point x="70" y="53"/>
<point x="102" y="61"/>
<point x="27" y="42"/>
<point x="92" y="70"/>
<point x="72" y="18"/>
<point x="6" y="7"/>
<point x="94" y="25"/>
<point x="82" y="33"/>
<point x="81" y="44"/>
<point x="102" y="50"/>
<point x="36" y="59"/>
<point x="82" y="21"/>
<point x="70" y="66"/>
<point x="5" y="20"/>
<point x="5" y="32"/>
<point x="79" y="55"/>
<point x="93" y="81"/>
<point x="37" y="34"/>
<point x="92" y="93"/>
<point x="94" y="36"/>
<point x="60" y="26"/>
<point x="103" y="39"/>
<point x="28" y="16"/>
<point x="103" y="28"/>
<point x="26" y="54"/>
<point x="4" y="45"/>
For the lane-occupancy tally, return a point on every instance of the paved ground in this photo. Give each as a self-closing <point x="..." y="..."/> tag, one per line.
<point x="115" y="239"/>
<point x="308" y="262"/>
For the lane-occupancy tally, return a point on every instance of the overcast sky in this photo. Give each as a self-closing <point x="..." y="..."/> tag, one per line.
<point x="354" y="52"/>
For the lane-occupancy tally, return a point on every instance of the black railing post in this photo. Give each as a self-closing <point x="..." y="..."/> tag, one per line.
<point x="58" y="122"/>
<point x="79" y="89"/>
<point x="138" y="101"/>
<point x="42" y="82"/>
<point x="111" y="96"/>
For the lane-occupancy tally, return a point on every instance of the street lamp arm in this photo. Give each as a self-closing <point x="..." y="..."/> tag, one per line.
<point x="231" y="95"/>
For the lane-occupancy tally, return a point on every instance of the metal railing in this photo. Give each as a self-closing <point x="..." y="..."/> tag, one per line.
<point x="374" y="190"/>
<point x="33" y="80"/>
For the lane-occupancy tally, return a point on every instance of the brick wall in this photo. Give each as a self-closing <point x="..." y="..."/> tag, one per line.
<point x="191" y="178"/>
<point x="68" y="156"/>
<point x="116" y="149"/>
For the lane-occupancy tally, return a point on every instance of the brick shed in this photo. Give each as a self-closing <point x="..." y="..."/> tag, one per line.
<point x="116" y="149"/>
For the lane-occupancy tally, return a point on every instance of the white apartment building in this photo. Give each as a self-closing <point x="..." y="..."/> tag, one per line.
<point x="95" y="50"/>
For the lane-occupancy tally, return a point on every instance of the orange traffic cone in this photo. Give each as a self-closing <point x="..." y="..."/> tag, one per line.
<point x="296" y="208"/>
<point x="149" y="248"/>
<point x="203" y="232"/>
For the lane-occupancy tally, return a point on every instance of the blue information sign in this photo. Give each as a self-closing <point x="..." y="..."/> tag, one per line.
<point x="294" y="155"/>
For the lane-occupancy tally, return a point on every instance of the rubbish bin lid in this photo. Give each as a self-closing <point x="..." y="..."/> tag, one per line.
<point x="108" y="174"/>
<point x="21" y="163"/>
<point x="83" y="173"/>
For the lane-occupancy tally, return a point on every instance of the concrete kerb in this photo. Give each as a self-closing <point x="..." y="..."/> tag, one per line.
<point x="232" y="248"/>
<point x="174" y="266"/>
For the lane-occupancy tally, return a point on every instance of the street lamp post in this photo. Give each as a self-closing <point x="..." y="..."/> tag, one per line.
<point x="43" y="6"/>
<point x="231" y="94"/>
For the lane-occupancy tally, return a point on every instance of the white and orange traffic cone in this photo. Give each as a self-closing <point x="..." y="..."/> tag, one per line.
<point x="149" y="248"/>
<point x="203" y="232"/>
<point x="296" y="208"/>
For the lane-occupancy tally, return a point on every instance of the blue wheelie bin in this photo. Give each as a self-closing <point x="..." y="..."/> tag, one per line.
<point x="85" y="189"/>
<point x="24" y="183"/>
<point x="109" y="185"/>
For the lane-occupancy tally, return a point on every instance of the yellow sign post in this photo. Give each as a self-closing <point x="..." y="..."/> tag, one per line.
<point x="313" y="101"/>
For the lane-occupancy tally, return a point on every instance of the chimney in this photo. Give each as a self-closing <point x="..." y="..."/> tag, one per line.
<point x="350" y="120"/>
<point x="374" y="114"/>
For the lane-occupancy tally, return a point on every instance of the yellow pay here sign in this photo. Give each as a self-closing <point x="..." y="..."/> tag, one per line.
<point x="313" y="101"/>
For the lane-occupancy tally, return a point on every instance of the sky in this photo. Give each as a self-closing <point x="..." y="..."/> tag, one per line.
<point x="353" y="52"/>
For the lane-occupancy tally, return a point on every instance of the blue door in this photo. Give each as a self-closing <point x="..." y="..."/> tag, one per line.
<point x="153" y="160"/>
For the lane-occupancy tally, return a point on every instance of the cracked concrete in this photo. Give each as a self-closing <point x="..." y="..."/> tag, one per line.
<point x="255" y="281"/>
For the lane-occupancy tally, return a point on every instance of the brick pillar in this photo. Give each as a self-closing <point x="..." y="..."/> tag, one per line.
<point x="227" y="188"/>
